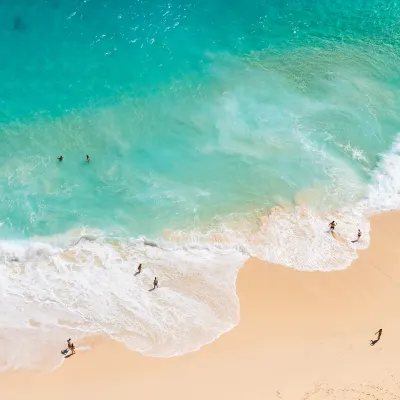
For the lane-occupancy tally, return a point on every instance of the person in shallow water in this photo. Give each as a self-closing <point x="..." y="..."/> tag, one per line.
<point x="358" y="235"/>
<point x="139" y="269"/>
<point x="87" y="158"/>
<point x="71" y="346"/>
<point x="60" y="158"/>
<point x="155" y="283"/>
<point x="332" y="226"/>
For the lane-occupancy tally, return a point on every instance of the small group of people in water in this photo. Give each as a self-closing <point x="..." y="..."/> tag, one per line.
<point x="332" y="226"/>
<point x="155" y="282"/>
<point x="61" y="158"/>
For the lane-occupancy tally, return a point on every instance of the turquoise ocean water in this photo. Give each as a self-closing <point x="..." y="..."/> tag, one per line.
<point x="199" y="118"/>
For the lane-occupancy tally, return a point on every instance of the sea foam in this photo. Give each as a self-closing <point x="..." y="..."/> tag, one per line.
<point x="89" y="287"/>
<point x="83" y="284"/>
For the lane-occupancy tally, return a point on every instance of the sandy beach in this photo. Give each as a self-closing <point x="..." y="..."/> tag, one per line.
<point x="302" y="335"/>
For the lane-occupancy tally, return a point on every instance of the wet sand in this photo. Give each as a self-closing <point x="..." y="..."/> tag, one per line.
<point x="302" y="335"/>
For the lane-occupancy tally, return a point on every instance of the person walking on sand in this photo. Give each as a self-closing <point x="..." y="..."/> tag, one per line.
<point x="379" y="333"/>
<point x="87" y="158"/>
<point x="332" y="226"/>
<point x="139" y="269"/>
<point x="71" y="346"/>
<point x="60" y="158"/>
<point x="155" y="283"/>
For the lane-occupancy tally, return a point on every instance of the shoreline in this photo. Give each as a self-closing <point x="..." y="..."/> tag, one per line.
<point x="301" y="335"/>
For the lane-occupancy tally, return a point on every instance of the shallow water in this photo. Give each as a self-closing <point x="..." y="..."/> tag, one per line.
<point x="199" y="119"/>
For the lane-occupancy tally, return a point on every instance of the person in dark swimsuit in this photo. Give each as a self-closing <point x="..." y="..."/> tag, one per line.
<point x="358" y="235"/>
<point x="60" y="158"/>
<point x="139" y="269"/>
<point x="87" y="158"/>
<point x="332" y="226"/>
<point x="155" y="283"/>
<point x="379" y="333"/>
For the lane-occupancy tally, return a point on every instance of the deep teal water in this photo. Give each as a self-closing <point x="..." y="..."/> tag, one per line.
<point x="189" y="111"/>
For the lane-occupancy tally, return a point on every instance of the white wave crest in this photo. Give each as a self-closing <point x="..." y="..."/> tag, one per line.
<point x="84" y="284"/>
<point x="51" y="293"/>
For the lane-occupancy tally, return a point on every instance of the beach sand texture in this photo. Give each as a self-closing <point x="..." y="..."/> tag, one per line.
<point x="302" y="335"/>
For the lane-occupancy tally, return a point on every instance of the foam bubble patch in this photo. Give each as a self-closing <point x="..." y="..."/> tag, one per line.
<point x="49" y="294"/>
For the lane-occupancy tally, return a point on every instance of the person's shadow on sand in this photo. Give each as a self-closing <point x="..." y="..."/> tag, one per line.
<point x="373" y="342"/>
<point x="65" y="353"/>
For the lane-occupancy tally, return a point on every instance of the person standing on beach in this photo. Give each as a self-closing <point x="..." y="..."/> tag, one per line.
<point x="71" y="346"/>
<point x="155" y="283"/>
<point x="332" y="226"/>
<point x="139" y="269"/>
<point x="358" y="237"/>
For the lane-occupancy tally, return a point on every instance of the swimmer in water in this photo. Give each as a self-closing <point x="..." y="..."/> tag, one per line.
<point x="87" y="158"/>
<point x="155" y="283"/>
<point x="332" y="226"/>
<point x="60" y="158"/>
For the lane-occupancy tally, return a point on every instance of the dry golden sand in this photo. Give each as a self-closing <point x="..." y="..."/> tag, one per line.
<point x="302" y="335"/>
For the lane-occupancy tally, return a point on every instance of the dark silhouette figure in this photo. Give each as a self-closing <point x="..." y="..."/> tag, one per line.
<point x="87" y="158"/>
<point x="60" y="158"/>
<point x="379" y="333"/>
<point x="155" y="283"/>
<point x="358" y="237"/>
<point x="332" y="226"/>
<point x="139" y="270"/>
